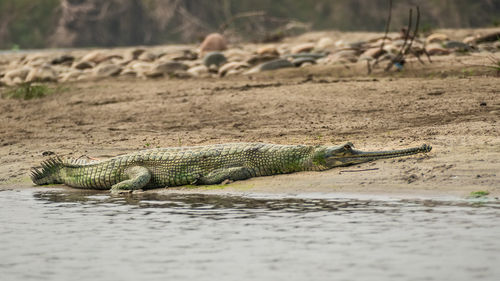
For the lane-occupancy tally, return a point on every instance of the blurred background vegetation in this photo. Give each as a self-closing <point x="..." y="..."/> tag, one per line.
<point x="30" y="24"/>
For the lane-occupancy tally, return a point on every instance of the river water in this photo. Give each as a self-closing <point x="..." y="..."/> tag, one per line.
<point x="56" y="234"/>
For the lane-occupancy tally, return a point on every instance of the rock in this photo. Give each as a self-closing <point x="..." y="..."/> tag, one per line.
<point x="324" y="44"/>
<point x="69" y="75"/>
<point x="258" y="59"/>
<point x="302" y="48"/>
<point x="83" y="65"/>
<point x="147" y="56"/>
<point x="436" y="38"/>
<point x="302" y="60"/>
<point x="391" y="49"/>
<point x="44" y="73"/>
<point x="181" y="55"/>
<point x="306" y="64"/>
<point x="372" y="53"/>
<point x="306" y="55"/>
<point x="469" y="40"/>
<point x="63" y="59"/>
<point x="137" y="68"/>
<point x="16" y="81"/>
<point x="96" y="57"/>
<point x="268" y="50"/>
<point x="343" y="56"/>
<point x="233" y="67"/>
<point x="491" y="37"/>
<point x="457" y="46"/>
<point x="20" y="73"/>
<point x="435" y="49"/>
<point x="214" y="58"/>
<point x="107" y="70"/>
<point x="133" y="54"/>
<point x="271" y="65"/>
<point x="236" y="55"/>
<point x="199" y="71"/>
<point x="35" y="60"/>
<point x="168" y="67"/>
<point x="213" y="42"/>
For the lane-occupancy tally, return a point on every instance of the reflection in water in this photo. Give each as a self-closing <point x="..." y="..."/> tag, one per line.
<point x="82" y="235"/>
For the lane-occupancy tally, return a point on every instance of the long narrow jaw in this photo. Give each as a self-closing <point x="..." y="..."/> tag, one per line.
<point x="345" y="155"/>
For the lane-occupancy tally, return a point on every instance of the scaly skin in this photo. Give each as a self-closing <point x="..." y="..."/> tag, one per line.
<point x="212" y="164"/>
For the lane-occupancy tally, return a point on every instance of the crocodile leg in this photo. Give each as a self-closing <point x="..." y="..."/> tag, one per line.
<point x="220" y="175"/>
<point x="138" y="178"/>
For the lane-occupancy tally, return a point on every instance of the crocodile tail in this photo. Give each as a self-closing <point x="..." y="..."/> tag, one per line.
<point x="49" y="172"/>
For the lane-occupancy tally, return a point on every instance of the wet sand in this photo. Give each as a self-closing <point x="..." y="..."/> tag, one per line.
<point x="446" y="104"/>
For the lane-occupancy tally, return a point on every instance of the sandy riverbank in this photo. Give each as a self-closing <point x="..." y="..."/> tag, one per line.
<point x="451" y="106"/>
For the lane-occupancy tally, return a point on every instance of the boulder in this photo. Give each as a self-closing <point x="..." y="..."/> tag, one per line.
<point x="271" y="65"/>
<point x="63" y="60"/>
<point x="107" y="70"/>
<point x="147" y="56"/>
<point x="372" y="53"/>
<point x="436" y="49"/>
<point x="69" y="75"/>
<point x="324" y="44"/>
<point x="436" y="38"/>
<point x="83" y="65"/>
<point x="302" y="48"/>
<point x="133" y="54"/>
<point x="44" y="73"/>
<point x="268" y="50"/>
<point x="199" y="71"/>
<point x="233" y="67"/>
<point x="214" y="58"/>
<point x="20" y="73"/>
<point x="457" y="46"/>
<point x="236" y="54"/>
<point x="168" y="67"/>
<point x="490" y="37"/>
<point x="213" y="42"/>
<point x="303" y="60"/>
<point x="98" y="57"/>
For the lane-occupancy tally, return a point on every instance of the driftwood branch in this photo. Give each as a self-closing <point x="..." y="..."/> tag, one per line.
<point x="387" y="26"/>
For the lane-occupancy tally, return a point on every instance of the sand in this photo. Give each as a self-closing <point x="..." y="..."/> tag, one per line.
<point x="446" y="104"/>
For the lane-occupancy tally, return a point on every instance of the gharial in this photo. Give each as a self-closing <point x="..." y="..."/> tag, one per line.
<point x="212" y="164"/>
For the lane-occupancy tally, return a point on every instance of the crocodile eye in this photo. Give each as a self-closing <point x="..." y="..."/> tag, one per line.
<point x="348" y="147"/>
